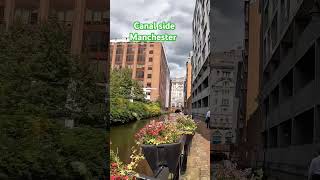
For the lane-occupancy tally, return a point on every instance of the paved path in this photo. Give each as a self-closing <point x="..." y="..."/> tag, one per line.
<point x="198" y="164"/>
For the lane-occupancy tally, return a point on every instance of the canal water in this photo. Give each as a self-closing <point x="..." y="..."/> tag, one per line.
<point x="122" y="139"/>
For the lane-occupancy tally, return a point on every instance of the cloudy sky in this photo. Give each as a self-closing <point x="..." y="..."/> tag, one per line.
<point x="125" y="12"/>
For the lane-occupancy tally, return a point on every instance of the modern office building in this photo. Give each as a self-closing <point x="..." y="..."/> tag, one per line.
<point x="149" y="66"/>
<point x="290" y="93"/>
<point x="187" y="86"/>
<point x="222" y="81"/>
<point x="202" y="47"/>
<point x="87" y="22"/>
<point x="177" y="93"/>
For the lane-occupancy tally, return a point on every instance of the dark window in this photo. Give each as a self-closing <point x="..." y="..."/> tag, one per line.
<point x="151" y="52"/>
<point x="97" y="42"/>
<point x="141" y="50"/>
<point x="150" y="59"/>
<point x="130" y="50"/>
<point x="1" y="15"/>
<point x="118" y="59"/>
<point x="140" y="74"/>
<point x="151" y="45"/>
<point x="149" y="85"/>
<point x="149" y="75"/>
<point x="119" y="50"/>
<point x="130" y="58"/>
<point x="149" y="68"/>
<point x="141" y="58"/>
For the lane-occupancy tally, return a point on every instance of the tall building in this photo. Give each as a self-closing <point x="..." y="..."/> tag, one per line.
<point x="223" y="71"/>
<point x="177" y="93"/>
<point x="249" y="121"/>
<point x="290" y="93"/>
<point x="187" y="86"/>
<point x="86" y="21"/>
<point x="202" y="47"/>
<point x="149" y="66"/>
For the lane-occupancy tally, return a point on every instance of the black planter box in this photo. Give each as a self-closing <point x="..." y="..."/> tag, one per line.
<point x="163" y="155"/>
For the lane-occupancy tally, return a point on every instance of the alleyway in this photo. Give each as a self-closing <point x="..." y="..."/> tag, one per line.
<point x="198" y="165"/>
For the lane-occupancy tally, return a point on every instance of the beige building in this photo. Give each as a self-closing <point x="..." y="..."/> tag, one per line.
<point x="188" y="86"/>
<point x="149" y="66"/>
<point x="253" y="85"/>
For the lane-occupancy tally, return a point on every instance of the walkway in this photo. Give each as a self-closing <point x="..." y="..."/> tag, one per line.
<point x="198" y="164"/>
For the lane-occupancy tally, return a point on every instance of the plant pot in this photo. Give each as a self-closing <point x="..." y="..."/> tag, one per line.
<point x="163" y="155"/>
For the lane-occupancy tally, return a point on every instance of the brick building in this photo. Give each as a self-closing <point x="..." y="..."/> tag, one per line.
<point x="149" y="66"/>
<point x="87" y="22"/>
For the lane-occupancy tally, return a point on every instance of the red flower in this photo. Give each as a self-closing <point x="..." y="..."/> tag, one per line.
<point x="114" y="164"/>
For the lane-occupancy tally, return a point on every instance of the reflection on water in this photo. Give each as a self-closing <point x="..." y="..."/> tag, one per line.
<point x="122" y="139"/>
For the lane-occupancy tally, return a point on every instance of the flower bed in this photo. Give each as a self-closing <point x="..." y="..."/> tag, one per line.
<point x="121" y="171"/>
<point x="162" y="142"/>
<point x="187" y="127"/>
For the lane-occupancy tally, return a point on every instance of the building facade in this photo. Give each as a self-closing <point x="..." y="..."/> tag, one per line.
<point x="177" y="93"/>
<point x="86" y="21"/>
<point x="249" y="143"/>
<point x="187" y="86"/>
<point x="223" y="71"/>
<point x="290" y="93"/>
<point x="149" y="66"/>
<point x="202" y="47"/>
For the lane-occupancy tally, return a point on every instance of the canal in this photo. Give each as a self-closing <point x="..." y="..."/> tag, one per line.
<point x="122" y="139"/>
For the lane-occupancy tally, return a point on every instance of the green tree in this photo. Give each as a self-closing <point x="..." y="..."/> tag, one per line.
<point x="41" y="84"/>
<point x="123" y="86"/>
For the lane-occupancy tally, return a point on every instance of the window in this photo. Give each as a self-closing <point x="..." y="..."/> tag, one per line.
<point x="130" y="58"/>
<point x="216" y="137"/>
<point x="225" y="101"/>
<point x="151" y="45"/>
<point x="149" y="68"/>
<point x="141" y="58"/>
<point x="1" y="15"/>
<point x="151" y="52"/>
<point x="149" y="75"/>
<point x="27" y="15"/>
<point x="119" y="50"/>
<point x="228" y="138"/>
<point x="96" y="42"/>
<point x="130" y="49"/>
<point x="118" y="59"/>
<point x="149" y="85"/>
<point x="141" y="49"/>
<point x="96" y="17"/>
<point x="150" y="59"/>
<point x="139" y="74"/>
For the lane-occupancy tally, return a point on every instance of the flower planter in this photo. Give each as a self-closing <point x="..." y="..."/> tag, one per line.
<point x="163" y="155"/>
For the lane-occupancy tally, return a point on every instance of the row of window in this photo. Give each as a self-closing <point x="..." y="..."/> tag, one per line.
<point x="140" y="74"/>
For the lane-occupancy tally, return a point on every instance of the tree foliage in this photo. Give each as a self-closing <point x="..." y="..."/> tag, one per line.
<point x="41" y="85"/>
<point x="123" y="86"/>
<point x="38" y="76"/>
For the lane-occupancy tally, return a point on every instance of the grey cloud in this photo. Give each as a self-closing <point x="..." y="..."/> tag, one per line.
<point x="228" y="24"/>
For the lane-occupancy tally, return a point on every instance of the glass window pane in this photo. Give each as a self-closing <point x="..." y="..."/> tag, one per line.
<point x="89" y="16"/>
